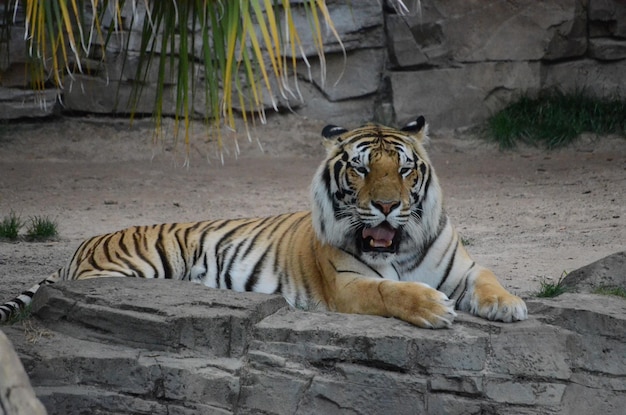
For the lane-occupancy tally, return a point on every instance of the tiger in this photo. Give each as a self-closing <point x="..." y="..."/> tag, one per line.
<point x="377" y="241"/>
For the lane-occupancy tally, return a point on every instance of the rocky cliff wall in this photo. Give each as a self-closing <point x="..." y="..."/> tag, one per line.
<point x="454" y="61"/>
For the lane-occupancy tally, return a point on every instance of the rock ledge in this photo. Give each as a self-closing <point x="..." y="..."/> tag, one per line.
<point x="121" y="346"/>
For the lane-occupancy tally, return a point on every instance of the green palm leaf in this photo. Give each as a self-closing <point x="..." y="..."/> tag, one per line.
<point x="237" y="46"/>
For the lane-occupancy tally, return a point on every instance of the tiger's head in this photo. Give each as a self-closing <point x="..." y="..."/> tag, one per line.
<point x="376" y="194"/>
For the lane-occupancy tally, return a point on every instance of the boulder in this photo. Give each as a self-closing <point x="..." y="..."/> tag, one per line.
<point x="607" y="272"/>
<point x="125" y="345"/>
<point x="16" y="394"/>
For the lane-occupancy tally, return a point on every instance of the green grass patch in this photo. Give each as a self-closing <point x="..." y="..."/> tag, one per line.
<point x="22" y="315"/>
<point x="555" y="119"/>
<point x="41" y="228"/>
<point x="552" y="289"/>
<point x="617" y="291"/>
<point x="10" y="226"/>
<point x="38" y="228"/>
<point x="467" y="241"/>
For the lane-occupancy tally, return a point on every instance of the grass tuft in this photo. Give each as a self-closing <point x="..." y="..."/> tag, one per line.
<point x="10" y="226"/>
<point x="551" y="289"/>
<point x="555" y="119"/>
<point x="617" y="291"/>
<point x="41" y="228"/>
<point x="467" y="241"/>
<point x="22" y="315"/>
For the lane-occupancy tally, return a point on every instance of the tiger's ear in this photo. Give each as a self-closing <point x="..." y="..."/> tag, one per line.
<point x="417" y="128"/>
<point x="331" y="131"/>
<point x="331" y="134"/>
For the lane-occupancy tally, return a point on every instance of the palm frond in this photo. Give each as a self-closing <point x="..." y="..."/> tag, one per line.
<point x="234" y="50"/>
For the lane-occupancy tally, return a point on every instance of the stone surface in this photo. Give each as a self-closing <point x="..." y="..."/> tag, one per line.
<point x="315" y="105"/>
<point x="601" y="80"/>
<point x="356" y="75"/>
<point x="13" y="49"/>
<point x="455" y="61"/>
<point x="492" y="31"/>
<point x="607" y="49"/>
<point x="358" y="27"/>
<point x="114" y="346"/>
<point x="154" y="321"/>
<point x="605" y="272"/>
<point x="101" y="96"/>
<point x="461" y="96"/>
<point x="403" y="48"/>
<point x="16" y="394"/>
<point x="20" y="103"/>
<point x="607" y="17"/>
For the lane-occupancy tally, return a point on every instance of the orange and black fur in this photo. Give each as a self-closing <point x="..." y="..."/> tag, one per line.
<point x="377" y="241"/>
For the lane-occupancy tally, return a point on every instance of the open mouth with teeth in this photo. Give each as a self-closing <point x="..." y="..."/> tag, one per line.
<point x="381" y="238"/>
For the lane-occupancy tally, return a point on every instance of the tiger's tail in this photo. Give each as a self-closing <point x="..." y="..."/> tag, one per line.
<point x="21" y="302"/>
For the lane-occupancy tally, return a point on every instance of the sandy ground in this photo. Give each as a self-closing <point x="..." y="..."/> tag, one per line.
<point x="529" y="214"/>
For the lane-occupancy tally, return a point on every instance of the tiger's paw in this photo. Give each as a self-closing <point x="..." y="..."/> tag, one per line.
<point x="501" y="307"/>
<point x="419" y="304"/>
<point x="436" y="312"/>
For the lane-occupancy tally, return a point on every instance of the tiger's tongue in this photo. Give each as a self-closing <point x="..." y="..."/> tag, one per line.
<point x="382" y="235"/>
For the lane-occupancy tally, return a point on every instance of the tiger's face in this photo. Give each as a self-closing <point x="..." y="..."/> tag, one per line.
<point x="370" y="194"/>
<point x="382" y="178"/>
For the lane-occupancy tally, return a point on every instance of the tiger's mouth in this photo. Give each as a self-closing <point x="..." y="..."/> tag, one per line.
<point x="381" y="238"/>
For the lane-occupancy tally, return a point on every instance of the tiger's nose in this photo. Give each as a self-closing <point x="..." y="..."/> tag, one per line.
<point x="386" y="207"/>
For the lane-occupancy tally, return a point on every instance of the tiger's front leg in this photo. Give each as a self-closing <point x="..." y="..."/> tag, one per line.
<point x="413" y="302"/>
<point x="486" y="298"/>
<point x="350" y="286"/>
